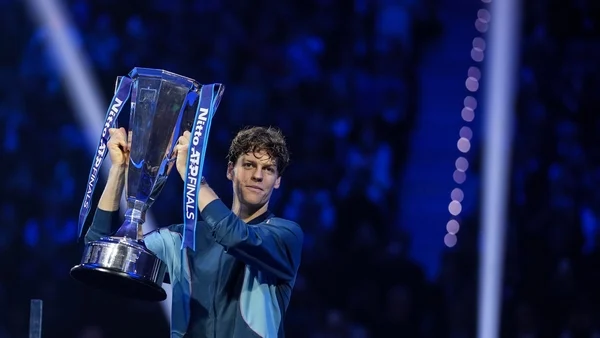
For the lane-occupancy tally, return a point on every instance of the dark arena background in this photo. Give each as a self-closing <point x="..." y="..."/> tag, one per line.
<point x="445" y="156"/>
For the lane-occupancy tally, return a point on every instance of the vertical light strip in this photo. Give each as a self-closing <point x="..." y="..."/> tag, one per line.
<point x="35" y="318"/>
<point x="498" y="121"/>
<point x="80" y="84"/>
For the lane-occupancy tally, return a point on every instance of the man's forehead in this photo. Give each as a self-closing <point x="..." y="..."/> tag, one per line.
<point x="260" y="156"/>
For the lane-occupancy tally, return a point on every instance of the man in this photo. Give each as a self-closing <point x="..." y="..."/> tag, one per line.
<point x="238" y="281"/>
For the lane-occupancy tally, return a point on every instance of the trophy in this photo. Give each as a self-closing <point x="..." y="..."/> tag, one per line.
<point x="163" y="106"/>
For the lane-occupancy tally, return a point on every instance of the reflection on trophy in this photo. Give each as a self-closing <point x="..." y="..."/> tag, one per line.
<point x="163" y="106"/>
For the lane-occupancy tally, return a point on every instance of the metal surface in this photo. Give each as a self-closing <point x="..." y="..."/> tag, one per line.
<point x="124" y="267"/>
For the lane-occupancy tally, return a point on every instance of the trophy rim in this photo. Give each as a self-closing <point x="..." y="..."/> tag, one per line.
<point x="165" y="75"/>
<point x="130" y="242"/>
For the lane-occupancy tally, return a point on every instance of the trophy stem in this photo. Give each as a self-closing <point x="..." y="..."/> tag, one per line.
<point x="135" y="216"/>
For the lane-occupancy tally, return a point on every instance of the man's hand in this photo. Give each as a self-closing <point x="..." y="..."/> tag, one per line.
<point x="118" y="148"/>
<point x="206" y="194"/>
<point x="181" y="152"/>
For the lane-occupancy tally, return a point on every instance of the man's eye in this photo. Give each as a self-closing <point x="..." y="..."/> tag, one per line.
<point x="247" y="165"/>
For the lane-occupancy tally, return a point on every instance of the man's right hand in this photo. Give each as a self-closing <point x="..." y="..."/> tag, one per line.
<point x="118" y="147"/>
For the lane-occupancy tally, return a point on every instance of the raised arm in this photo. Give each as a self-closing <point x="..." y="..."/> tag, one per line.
<point x="273" y="247"/>
<point x="118" y="150"/>
<point x="163" y="242"/>
<point x="105" y="215"/>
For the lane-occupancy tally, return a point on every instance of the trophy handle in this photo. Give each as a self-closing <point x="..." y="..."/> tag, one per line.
<point x="117" y="83"/>
<point x="115" y="123"/>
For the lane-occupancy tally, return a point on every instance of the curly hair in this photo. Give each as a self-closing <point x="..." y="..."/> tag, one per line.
<point x="257" y="139"/>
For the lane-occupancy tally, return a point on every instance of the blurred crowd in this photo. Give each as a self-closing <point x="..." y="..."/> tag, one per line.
<point x="340" y="79"/>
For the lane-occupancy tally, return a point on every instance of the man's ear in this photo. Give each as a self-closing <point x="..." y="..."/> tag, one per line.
<point x="230" y="171"/>
<point x="277" y="182"/>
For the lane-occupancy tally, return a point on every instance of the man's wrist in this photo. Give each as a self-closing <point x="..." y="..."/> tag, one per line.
<point x="205" y="195"/>
<point x="117" y="169"/>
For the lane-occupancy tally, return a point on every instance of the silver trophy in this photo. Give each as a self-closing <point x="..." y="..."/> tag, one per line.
<point x="163" y="106"/>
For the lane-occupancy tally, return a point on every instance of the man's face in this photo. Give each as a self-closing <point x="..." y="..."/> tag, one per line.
<point x="254" y="177"/>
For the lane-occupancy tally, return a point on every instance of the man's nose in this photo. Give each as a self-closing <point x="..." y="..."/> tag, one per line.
<point x="257" y="175"/>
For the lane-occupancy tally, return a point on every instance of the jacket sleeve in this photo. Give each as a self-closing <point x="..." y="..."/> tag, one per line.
<point x="272" y="247"/>
<point x="165" y="243"/>
<point x="101" y="225"/>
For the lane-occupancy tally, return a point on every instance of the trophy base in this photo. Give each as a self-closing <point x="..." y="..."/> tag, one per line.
<point x="123" y="267"/>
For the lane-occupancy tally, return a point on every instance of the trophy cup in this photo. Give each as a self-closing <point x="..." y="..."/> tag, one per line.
<point x="163" y="106"/>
